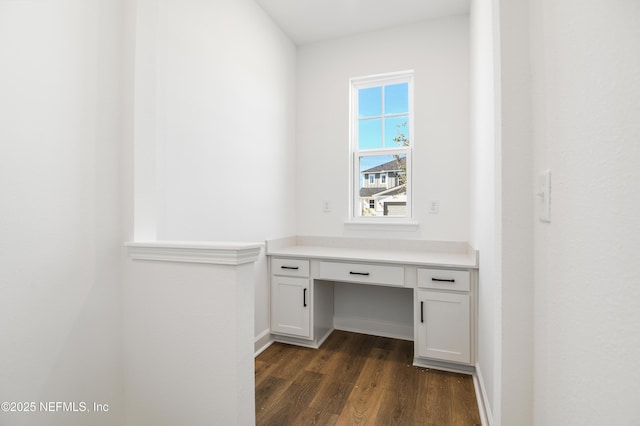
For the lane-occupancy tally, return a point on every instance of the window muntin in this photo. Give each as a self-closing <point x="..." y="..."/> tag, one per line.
<point x="383" y="115"/>
<point x="381" y="145"/>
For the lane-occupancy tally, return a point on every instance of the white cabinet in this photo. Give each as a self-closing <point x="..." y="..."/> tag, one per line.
<point x="290" y="297"/>
<point x="443" y="329"/>
<point x="315" y="289"/>
<point x="444" y="311"/>
<point x="290" y="306"/>
<point x="301" y="308"/>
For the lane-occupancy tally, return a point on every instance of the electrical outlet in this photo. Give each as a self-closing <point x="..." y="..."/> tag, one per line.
<point x="326" y="206"/>
<point x="434" y="207"/>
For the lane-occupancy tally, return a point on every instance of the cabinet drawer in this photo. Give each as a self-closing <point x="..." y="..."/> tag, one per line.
<point x="290" y="267"/>
<point x="363" y="273"/>
<point x="444" y="279"/>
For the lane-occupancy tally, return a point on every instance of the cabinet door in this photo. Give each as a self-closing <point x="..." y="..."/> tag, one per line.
<point x="290" y="306"/>
<point x="443" y="329"/>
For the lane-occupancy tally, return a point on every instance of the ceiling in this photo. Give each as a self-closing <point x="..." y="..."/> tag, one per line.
<point x="308" y="21"/>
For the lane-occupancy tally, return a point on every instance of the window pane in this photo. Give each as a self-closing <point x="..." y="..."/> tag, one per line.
<point x="370" y="102"/>
<point x="389" y="195"/>
<point x="369" y="134"/>
<point x="396" y="99"/>
<point x="396" y="131"/>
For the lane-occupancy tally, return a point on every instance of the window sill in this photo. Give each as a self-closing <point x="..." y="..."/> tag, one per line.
<point x="382" y="225"/>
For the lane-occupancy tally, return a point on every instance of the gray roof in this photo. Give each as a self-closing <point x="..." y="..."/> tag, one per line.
<point x="392" y="165"/>
<point x="370" y="192"/>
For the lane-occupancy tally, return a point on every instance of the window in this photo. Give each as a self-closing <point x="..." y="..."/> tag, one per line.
<point x="381" y="146"/>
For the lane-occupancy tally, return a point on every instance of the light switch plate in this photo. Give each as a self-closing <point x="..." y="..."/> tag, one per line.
<point x="544" y="196"/>
<point x="434" y="207"/>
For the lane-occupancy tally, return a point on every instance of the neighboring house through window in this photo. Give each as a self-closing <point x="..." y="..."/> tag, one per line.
<point x="381" y="145"/>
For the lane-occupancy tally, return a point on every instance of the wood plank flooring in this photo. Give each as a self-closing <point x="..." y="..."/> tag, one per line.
<point x="356" y="379"/>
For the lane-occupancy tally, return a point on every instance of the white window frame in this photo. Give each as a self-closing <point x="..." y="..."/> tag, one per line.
<point x="355" y="153"/>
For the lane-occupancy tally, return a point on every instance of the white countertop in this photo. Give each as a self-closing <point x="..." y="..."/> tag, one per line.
<point x="420" y="253"/>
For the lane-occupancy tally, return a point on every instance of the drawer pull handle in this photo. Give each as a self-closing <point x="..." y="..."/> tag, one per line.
<point x="359" y="273"/>
<point x="295" y="268"/>
<point x="443" y="280"/>
<point x="304" y="298"/>
<point x="421" y="311"/>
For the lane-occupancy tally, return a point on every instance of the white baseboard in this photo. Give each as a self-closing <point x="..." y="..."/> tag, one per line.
<point x="444" y="366"/>
<point x="375" y="328"/>
<point x="262" y="342"/>
<point x="484" y="406"/>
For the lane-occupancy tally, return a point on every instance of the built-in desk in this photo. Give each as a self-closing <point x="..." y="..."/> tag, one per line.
<point x="416" y="290"/>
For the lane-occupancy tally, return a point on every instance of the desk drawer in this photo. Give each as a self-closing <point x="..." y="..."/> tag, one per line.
<point x="444" y="279"/>
<point x="290" y="267"/>
<point x="363" y="273"/>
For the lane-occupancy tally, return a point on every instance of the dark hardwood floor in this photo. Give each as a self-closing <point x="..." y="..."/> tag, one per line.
<point x="358" y="379"/>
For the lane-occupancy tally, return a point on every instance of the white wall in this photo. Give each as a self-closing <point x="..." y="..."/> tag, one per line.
<point x="214" y="127"/>
<point x="60" y="239"/>
<point x="438" y="51"/>
<point x="502" y="207"/>
<point x="224" y="128"/>
<point x="516" y="215"/>
<point x="484" y="195"/>
<point x="213" y="160"/>
<point x="188" y="343"/>
<point x="586" y="64"/>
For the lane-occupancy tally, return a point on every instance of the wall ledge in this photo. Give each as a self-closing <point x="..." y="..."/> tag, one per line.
<point x="217" y="253"/>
